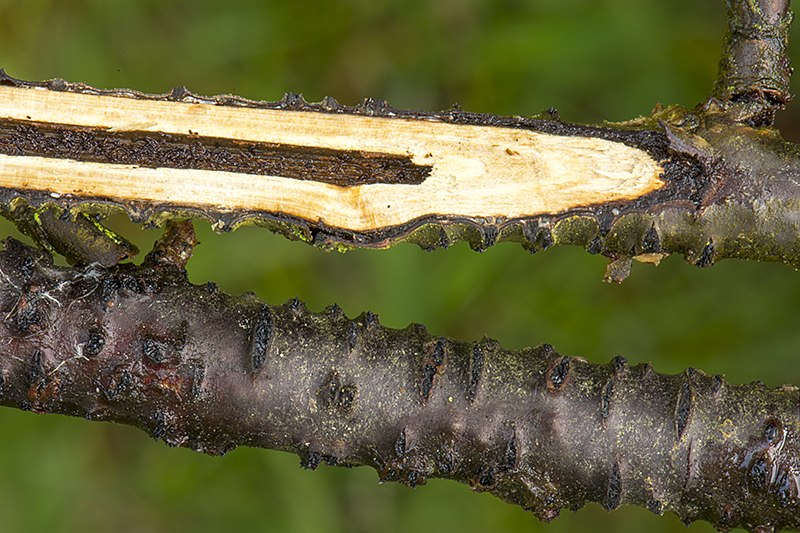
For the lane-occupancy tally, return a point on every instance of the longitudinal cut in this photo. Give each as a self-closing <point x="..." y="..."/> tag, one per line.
<point x="697" y="182"/>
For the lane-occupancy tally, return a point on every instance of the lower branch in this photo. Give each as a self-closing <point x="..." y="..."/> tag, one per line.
<point x="198" y="368"/>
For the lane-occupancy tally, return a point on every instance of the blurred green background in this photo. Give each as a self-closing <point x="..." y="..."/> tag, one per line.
<point x="592" y="59"/>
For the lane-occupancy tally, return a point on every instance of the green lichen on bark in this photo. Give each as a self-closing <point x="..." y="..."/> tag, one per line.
<point x="195" y="367"/>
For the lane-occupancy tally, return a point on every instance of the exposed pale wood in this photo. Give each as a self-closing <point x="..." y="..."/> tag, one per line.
<point x="476" y="170"/>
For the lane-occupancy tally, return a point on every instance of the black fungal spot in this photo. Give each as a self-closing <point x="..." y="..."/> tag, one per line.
<point x="387" y="476"/>
<point x="433" y="364"/>
<point x="311" y="460"/>
<point x="296" y="307"/>
<point x="682" y="408"/>
<point x="651" y="243"/>
<point x="782" y="488"/>
<point x="706" y="256"/>
<point x="352" y="336"/>
<point x="604" y="221"/>
<point x="619" y="363"/>
<point x="197" y="374"/>
<point x="109" y="286"/>
<point x="27" y="318"/>
<point x="444" y="462"/>
<point x="595" y="247"/>
<point x="437" y="355"/>
<point x="94" y="345"/>
<point x="655" y="507"/>
<point x="559" y="373"/>
<point x="444" y="240"/>
<point x="25" y="269"/>
<point x="757" y="474"/>
<point x="489" y="236"/>
<point x="400" y="445"/>
<point x="475" y="370"/>
<point x="332" y="395"/>
<point x="33" y="373"/>
<point x="119" y="385"/>
<point x="261" y="337"/>
<point x="546" y="239"/>
<point x="509" y="460"/>
<point x="151" y="350"/>
<point x="772" y="432"/>
<point x="613" y="490"/>
<point x="158" y="426"/>
<point x="210" y="287"/>
<point x="487" y="478"/>
<point x="414" y="479"/>
<point x="335" y="312"/>
<point x="132" y="285"/>
<point x="426" y="381"/>
<point x="717" y="385"/>
<point x="2" y="383"/>
<point x="370" y="319"/>
<point x="605" y="400"/>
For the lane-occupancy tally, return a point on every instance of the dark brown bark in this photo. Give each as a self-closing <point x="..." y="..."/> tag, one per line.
<point x="201" y="369"/>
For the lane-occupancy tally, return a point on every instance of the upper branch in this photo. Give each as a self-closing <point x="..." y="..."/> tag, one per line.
<point x="713" y="182"/>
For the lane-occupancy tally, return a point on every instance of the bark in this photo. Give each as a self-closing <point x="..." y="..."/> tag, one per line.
<point x="201" y="369"/>
<point x="195" y="367"/>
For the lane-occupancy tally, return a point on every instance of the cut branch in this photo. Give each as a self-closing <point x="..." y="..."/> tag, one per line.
<point x="201" y="369"/>
<point x="701" y="183"/>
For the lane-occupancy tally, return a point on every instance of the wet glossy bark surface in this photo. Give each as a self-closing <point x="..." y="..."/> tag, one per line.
<point x="198" y="368"/>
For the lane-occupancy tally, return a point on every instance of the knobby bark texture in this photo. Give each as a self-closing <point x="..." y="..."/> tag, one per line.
<point x="198" y="368"/>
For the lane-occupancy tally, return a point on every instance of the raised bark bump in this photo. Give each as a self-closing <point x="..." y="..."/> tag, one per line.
<point x="683" y="407"/>
<point x="614" y="487"/>
<point x="197" y="376"/>
<point x="433" y="363"/>
<point x="261" y="338"/>
<point x="400" y="445"/>
<point x="311" y="460"/>
<point x="605" y="399"/>
<point x="558" y="373"/>
<point x="475" y="371"/>
<point x="620" y="364"/>
<point x="93" y="345"/>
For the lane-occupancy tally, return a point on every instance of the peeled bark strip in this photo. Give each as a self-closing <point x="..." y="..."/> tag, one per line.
<point x="201" y="369"/>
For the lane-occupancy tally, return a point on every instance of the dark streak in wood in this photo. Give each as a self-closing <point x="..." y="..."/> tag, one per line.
<point x="345" y="168"/>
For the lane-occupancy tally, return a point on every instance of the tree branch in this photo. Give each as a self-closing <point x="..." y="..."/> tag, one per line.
<point x="201" y="369"/>
<point x="710" y="183"/>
